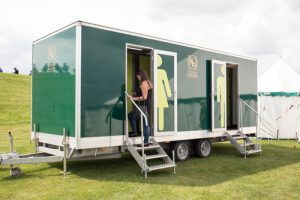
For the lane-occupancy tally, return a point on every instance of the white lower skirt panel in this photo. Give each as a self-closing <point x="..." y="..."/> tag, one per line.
<point x="95" y="142"/>
<point x="119" y="140"/>
<point x="53" y="139"/>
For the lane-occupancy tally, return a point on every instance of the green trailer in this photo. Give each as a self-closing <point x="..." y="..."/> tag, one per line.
<point x="83" y="72"/>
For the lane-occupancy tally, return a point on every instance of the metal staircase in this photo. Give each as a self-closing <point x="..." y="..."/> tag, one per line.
<point x="155" y="153"/>
<point x="240" y="140"/>
<point x="246" y="146"/>
<point x="152" y="157"/>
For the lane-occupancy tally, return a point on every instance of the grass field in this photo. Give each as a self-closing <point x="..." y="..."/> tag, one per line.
<point x="224" y="175"/>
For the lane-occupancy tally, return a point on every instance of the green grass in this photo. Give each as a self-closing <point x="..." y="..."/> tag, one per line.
<point x="15" y="106"/>
<point x="224" y="175"/>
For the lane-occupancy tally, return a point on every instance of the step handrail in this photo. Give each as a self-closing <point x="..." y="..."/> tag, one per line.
<point x="143" y="115"/>
<point x="257" y="114"/>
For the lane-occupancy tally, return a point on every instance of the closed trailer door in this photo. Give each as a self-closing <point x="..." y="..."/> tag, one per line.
<point x="218" y="95"/>
<point x="165" y="92"/>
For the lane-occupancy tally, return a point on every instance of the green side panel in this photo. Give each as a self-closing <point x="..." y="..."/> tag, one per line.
<point x="53" y="83"/>
<point x="248" y="116"/>
<point x="248" y="92"/>
<point x="103" y="82"/>
<point x="193" y="95"/>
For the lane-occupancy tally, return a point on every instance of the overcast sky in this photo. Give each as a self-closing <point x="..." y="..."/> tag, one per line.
<point x="266" y="30"/>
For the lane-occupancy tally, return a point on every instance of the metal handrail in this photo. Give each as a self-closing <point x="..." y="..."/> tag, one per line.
<point x="241" y="118"/>
<point x="146" y="121"/>
<point x="143" y="115"/>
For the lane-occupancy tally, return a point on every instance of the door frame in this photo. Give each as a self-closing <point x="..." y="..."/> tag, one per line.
<point x="237" y="66"/>
<point x="167" y="53"/>
<point x="133" y="46"/>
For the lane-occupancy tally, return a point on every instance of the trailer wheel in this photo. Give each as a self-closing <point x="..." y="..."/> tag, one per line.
<point x="203" y="148"/>
<point x="182" y="150"/>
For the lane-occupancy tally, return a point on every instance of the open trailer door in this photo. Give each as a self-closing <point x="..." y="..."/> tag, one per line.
<point x="218" y="96"/>
<point x="165" y="92"/>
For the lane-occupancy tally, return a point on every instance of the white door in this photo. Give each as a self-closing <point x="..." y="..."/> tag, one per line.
<point x="165" y="92"/>
<point x="218" y="96"/>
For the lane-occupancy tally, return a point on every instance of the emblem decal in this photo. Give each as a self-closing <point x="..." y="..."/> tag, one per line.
<point x="192" y="70"/>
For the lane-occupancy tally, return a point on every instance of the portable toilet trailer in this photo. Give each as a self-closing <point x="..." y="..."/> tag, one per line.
<point x="83" y="72"/>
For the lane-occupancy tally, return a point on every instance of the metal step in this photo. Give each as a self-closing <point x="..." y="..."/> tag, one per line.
<point x="161" y="166"/>
<point x="239" y="137"/>
<point x="150" y="147"/>
<point x="252" y="151"/>
<point x="142" y="159"/>
<point x="155" y="156"/>
<point x="247" y="144"/>
<point x="241" y="147"/>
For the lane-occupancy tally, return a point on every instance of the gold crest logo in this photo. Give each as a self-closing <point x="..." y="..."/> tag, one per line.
<point x="192" y="63"/>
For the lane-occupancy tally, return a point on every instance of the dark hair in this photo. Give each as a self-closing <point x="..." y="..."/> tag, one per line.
<point x="143" y="74"/>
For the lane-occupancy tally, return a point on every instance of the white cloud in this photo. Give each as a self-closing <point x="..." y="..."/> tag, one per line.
<point x="262" y="29"/>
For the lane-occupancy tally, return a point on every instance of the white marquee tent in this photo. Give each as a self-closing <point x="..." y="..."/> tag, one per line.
<point x="279" y="102"/>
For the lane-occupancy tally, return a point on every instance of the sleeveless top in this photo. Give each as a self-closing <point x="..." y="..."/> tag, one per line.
<point x="147" y="102"/>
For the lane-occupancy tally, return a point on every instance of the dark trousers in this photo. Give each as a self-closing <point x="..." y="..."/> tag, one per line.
<point x="134" y="118"/>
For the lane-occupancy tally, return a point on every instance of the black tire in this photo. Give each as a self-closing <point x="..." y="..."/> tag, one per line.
<point x="203" y="148"/>
<point x="182" y="150"/>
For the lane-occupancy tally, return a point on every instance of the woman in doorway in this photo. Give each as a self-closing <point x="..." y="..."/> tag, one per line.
<point x="144" y="102"/>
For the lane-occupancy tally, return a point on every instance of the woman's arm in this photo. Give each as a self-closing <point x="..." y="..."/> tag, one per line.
<point x="144" y="88"/>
